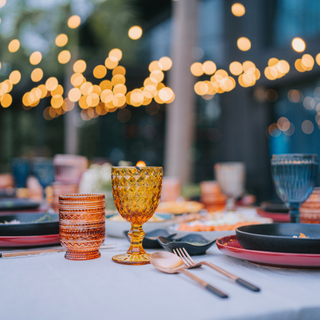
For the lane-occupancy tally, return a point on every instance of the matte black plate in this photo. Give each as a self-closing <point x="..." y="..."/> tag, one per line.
<point x="150" y="240"/>
<point x="8" y="204"/>
<point x="278" y="237"/>
<point x="274" y="207"/>
<point x="32" y="224"/>
<point x="195" y="244"/>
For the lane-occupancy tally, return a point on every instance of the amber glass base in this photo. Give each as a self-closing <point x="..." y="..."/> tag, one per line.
<point x="80" y="256"/>
<point x="132" y="259"/>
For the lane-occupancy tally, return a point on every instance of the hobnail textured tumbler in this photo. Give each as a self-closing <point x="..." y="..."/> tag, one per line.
<point x="82" y="225"/>
<point x="294" y="177"/>
<point x="136" y="194"/>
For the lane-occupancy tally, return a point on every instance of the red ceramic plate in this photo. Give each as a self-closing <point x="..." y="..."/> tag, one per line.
<point x="276" y="217"/>
<point x="28" y="241"/>
<point x="231" y="247"/>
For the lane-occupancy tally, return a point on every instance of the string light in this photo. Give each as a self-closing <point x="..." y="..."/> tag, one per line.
<point x="64" y="56"/>
<point x="35" y="58"/>
<point x="238" y="9"/>
<point x="135" y="33"/>
<point x="74" y="22"/>
<point x="298" y="44"/>
<point x="14" y="45"/>
<point x="61" y="40"/>
<point x="244" y="44"/>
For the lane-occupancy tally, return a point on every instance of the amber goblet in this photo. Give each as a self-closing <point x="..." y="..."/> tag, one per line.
<point x="136" y="194"/>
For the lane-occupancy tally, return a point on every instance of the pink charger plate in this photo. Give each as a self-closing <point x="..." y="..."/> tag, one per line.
<point x="28" y="241"/>
<point x="276" y="217"/>
<point x="230" y="246"/>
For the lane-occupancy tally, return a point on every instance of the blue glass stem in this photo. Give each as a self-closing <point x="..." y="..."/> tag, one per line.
<point x="294" y="213"/>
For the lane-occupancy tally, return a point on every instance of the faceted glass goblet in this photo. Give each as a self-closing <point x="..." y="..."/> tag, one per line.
<point x="136" y="194"/>
<point x="294" y="177"/>
<point x="230" y="177"/>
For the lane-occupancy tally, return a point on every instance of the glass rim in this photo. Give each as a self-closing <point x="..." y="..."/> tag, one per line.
<point x="82" y="196"/>
<point x="132" y="167"/>
<point x="294" y="155"/>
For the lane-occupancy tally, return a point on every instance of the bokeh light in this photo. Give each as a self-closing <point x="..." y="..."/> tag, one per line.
<point x="295" y="96"/>
<point x="209" y="67"/>
<point x="135" y="33"/>
<point x="6" y="100"/>
<point x="166" y="63"/>
<point x="51" y="84"/>
<point x="64" y="56"/>
<point x="2" y="3"/>
<point x="14" y="45"/>
<point x="74" y="22"/>
<point x="74" y="95"/>
<point x="116" y="54"/>
<point x="99" y="71"/>
<point x="238" y="9"/>
<point x="196" y="69"/>
<point x="298" y="44"/>
<point x="244" y="44"/>
<point x="309" y="103"/>
<point x="15" y="77"/>
<point x="307" y="126"/>
<point x="111" y="63"/>
<point x="35" y="58"/>
<point x="61" y="40"/>
<point x="235" y="68"/>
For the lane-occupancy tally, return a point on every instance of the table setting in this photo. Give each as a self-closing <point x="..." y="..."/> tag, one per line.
<point x="258" y="269"/>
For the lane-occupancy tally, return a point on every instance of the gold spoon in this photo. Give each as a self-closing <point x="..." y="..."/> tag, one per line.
<point x="170" y="263"/>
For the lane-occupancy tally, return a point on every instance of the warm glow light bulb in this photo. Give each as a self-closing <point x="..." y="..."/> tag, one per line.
<point x="238" y="9"/>
<point x="244" y="44"/>
<point x="298" y="45"/>
<point x="74" y="22"/>
<point x="135" y="33"/>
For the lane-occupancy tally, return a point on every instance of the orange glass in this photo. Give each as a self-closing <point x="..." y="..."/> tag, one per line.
<point x="82" y="225"/>
<point x="136" y="194"/>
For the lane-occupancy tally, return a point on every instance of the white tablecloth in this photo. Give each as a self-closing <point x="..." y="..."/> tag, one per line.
<point x="51" y="287"/>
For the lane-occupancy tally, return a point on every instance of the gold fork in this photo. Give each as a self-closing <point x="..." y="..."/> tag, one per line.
<point x="190" y="263"/>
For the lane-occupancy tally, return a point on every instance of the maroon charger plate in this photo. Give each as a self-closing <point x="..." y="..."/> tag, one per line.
<point x="28" y="241"/>
<point x="230" y="246"/>
<point x="275" y="216"/>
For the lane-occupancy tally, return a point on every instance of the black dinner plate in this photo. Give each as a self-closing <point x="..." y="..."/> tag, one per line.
<point x="31" y="224"/>
<point x="150" y="240"/>
<point x="195" y="244"/>
<point x="8" y="204"/>
<point x="279" y="237"/>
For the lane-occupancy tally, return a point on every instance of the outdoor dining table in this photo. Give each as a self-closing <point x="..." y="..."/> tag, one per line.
<point x="48" y="286"/>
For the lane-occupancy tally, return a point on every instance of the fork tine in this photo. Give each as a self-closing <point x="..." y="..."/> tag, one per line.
<point x="188" y="256"/>
<point x="185" y="257"/>
<point x="177" y="252"/>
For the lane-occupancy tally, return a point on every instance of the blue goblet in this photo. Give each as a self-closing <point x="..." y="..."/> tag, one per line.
<point x="294" y="177"/>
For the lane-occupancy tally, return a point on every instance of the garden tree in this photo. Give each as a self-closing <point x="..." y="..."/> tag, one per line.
<point x="36" y="24"/>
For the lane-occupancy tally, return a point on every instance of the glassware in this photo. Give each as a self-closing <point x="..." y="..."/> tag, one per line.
<point x="43" y="170"/>
<point x="294" y="176"/>
<point x="82" y="225"/>
<point x="20" y="169"/>
<point x="230" y="177"/>
<point x="136" y="194"/>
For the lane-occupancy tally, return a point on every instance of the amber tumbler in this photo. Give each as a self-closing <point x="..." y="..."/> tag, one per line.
<point x="82" y="225"/>
<point x="136" y="194"/>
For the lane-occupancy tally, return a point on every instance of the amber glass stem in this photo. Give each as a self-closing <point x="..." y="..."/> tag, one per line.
<point x="136" y="235"/>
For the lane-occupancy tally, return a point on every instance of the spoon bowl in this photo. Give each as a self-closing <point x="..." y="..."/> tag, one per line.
<point x="166" y="262"/>
<point x="170" y="263"/>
